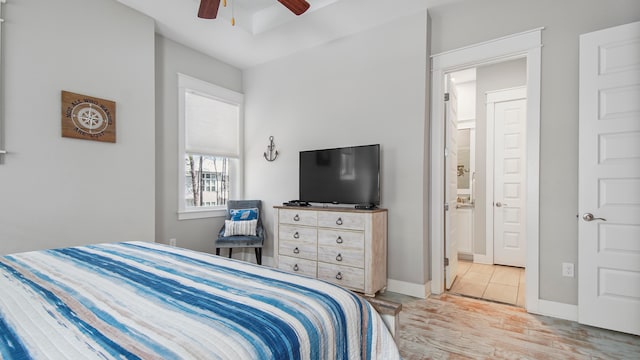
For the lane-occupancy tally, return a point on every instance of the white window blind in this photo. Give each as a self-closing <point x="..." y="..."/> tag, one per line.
<point x="210" y="120"/>
<point x="211" y="126"/>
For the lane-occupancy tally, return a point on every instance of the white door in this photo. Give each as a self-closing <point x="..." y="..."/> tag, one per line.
<point x="508" y="111"/>
<point x="451" y="183"/>
<point x="609" y="179"/>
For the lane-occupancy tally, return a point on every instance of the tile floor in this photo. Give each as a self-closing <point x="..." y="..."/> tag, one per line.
<point x="504" y="284"/>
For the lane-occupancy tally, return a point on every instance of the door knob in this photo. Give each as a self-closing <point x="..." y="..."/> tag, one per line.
<point x="499" y="204"/>
<point x="590" y="217"/>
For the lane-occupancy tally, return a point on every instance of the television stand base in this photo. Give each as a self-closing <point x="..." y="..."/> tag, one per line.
<point x="296" y="203"/>
<point x="366" y="206"/>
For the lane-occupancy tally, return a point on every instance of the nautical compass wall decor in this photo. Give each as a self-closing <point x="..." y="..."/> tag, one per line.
<point x="87" y="117"/>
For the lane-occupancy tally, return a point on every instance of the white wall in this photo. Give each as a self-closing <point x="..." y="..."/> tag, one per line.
<point x="171" y="59"/>
<point x="469" y="22"/>
<point x="466" y="101"/>
<point x="363" y="89"/>
<point x="58" y="191"/>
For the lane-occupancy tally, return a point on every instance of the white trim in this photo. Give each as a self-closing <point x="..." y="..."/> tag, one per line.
<point x="402" y="287"/>
<point x="495" y="50"/>
<point x="489" y="185"/>
<point x="201" y="213"/>
<point x="532" y="273"/>
<point x="556" y="309"/>
<point x="526" y="44"/>
<point x="212" y="90"/>
<point x="509" y="94"/>
<point x="493" y="97"/>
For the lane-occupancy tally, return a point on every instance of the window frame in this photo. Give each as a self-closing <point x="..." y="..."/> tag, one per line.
<point x="190" y="84"/>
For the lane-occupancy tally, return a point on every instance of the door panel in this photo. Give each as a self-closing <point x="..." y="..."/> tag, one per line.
<point x="609" y="179"/>
<point x="509" y="232"/>
<point x="451" y="183"/>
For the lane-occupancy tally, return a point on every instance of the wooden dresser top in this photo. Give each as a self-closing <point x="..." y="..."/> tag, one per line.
<point x="330" y="208"/>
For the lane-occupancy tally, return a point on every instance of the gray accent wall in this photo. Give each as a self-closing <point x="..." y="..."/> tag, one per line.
<point x="173" y="58"/>
<point x="57" y="191"/>
<point x="469" y="22"/>
<point x="367" y="88"/>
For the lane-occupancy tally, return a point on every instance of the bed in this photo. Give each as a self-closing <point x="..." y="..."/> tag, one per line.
<point x="139" y="300"/>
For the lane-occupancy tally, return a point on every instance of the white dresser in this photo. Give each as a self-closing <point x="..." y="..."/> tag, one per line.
<point x="344" y="246"/>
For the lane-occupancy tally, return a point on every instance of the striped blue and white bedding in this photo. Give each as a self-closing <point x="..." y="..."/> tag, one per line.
<point x="150" y="301"/>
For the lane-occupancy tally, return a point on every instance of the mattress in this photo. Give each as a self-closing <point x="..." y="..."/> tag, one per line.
<point x="138" y="300"/>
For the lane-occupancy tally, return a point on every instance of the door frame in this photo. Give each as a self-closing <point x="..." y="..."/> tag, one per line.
<point x="527" y="45"/>
<point x="494" y="97"/>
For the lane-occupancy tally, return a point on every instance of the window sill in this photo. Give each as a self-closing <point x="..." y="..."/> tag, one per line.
<point x="201" y="214"/>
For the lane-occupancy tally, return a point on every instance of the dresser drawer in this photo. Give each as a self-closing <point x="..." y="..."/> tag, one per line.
<point x="298" y="249"/>
<point x="342" y="275"/>
<point x="351" y="239"/>
<point x="341" y="247"/>
<point x="298" y="217"/>
<point x="297" y="266"/>
<point x="341" y="220"/>
<point x="298" y="233"/>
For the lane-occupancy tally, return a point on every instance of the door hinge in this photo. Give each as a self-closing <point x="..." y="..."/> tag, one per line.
<point x="446" y="96"/>
<point x="446" y="206"/>
<point x="446" y="261"/>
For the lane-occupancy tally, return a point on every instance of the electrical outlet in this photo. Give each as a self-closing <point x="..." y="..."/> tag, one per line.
<point x="172" y="241"/>
<point x="567" y="269"/>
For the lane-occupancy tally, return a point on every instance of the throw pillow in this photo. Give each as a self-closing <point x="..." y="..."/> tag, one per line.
<point x="245" y="227"/>
<point x="243" y="214"/>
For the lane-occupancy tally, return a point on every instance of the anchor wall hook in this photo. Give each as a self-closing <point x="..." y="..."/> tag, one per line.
<point x="273" y="153"/>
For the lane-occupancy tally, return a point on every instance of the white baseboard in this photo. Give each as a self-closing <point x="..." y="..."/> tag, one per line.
<point x="555" y="309"/>
<point x="421" y="291"/>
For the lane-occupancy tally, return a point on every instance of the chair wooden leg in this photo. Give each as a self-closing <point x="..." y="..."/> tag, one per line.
<point x="259" y="256"/>
<point x="217" y="251"/>
<point x="230" y="249"/>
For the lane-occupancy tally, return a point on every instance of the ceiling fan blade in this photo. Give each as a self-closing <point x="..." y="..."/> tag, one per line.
<point x="208" y="9"/>
<point x="297" y="7"/>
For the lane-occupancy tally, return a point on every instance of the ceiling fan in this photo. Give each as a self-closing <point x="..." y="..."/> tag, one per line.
<point x="209" y="8"/>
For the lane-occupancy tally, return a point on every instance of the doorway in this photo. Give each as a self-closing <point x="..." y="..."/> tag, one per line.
<point x="486" y="217"/>
<point x="519" y="46"/>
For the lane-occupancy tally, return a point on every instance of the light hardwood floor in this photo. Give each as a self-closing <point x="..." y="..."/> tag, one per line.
<point x="455" y="327"/>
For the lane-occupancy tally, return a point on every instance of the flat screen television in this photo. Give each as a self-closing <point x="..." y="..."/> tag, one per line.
<point x="347" y="175"/>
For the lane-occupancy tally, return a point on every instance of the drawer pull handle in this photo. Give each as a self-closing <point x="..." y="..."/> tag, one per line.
<point x="339" y="276"/>
<point x="339" y="221"/>
<point x="295" y="267"/>
<point x="339" y="240"/>
<point x="296" y="251"/>
<point x="296" y="235"/>
<point x="339" y="257"/>
<point x="296" y="218"/>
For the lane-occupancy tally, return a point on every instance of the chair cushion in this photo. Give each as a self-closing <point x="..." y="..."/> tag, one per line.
<point x="238" y="241"/>
<point x="245" y="227"/>
<point x="243" y="214"/>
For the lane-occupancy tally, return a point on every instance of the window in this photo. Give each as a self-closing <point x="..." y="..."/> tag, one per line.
<point x="210" y="129"/>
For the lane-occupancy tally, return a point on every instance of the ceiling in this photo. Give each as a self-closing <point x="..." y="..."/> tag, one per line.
<point x="265" y="30"/>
